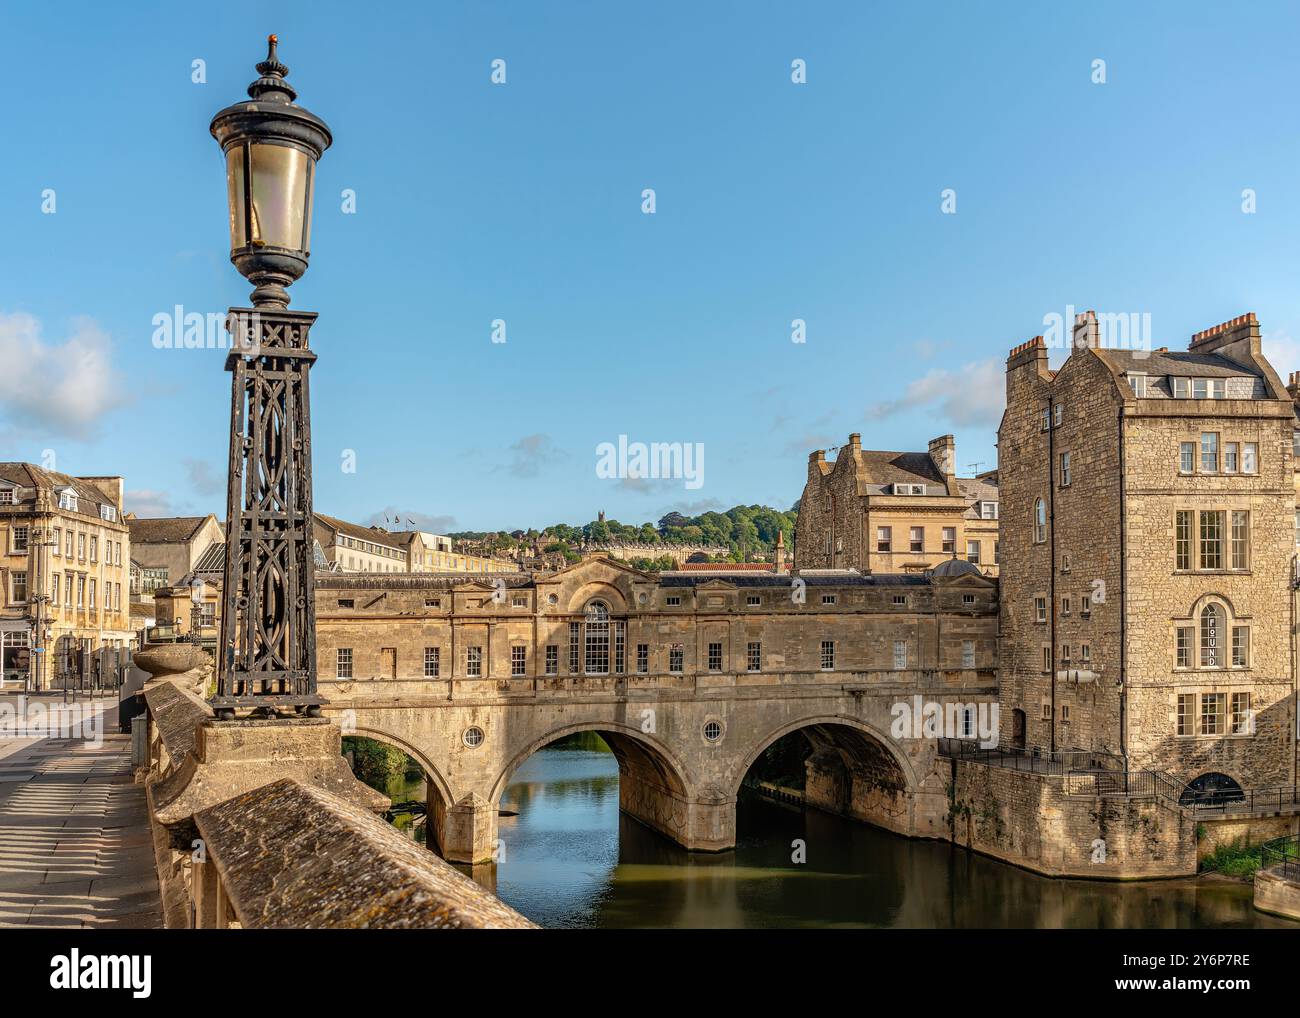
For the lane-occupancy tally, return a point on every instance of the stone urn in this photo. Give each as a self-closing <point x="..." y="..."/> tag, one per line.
<point x="166" y="660"/>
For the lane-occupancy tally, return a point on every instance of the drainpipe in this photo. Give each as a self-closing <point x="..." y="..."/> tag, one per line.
<point x="1123" y="600"/>
<point x="1051" y="548"/>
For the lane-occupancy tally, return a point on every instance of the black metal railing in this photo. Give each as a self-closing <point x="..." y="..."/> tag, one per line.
<point x="1036" y="761"/>
<point x="1282" y="856"/>
<point x="1277" y="799"/>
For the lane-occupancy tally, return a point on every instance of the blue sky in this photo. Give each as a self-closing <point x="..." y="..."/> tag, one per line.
<point x="523" y="202"/>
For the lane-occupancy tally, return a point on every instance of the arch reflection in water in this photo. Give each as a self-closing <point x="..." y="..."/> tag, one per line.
<point x="572" y="860"/>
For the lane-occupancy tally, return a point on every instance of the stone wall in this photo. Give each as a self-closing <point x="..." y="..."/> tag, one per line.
<point x="1027" y="819"/>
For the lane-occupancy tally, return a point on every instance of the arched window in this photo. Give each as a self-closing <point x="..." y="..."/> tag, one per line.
<point x="1212" y="789"/>
<point x="1211" y="628"/>
<point x="596" y="639"/>
<point x="1040" y="521"/>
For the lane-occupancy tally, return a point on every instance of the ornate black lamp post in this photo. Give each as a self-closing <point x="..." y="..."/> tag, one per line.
<point x="268" y="623"/>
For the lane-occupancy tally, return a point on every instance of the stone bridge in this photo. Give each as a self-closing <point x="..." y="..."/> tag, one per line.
<point x="683" y="743"/>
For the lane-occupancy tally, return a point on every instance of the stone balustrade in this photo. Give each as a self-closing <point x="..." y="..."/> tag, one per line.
<point x="260" y="823"/>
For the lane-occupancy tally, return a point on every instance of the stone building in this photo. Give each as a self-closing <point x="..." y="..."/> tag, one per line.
<point x="65" y="557"/>
<point x="1148" y="501"/>
<point x="688" y="676"/>
<point x="167" y="547"/>
<point x="895" y="512"/>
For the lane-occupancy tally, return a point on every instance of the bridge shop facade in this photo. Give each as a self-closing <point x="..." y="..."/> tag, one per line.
<point x="688" y="678"/>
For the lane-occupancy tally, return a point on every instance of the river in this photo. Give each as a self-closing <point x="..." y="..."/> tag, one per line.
<point x="572" y="859"/>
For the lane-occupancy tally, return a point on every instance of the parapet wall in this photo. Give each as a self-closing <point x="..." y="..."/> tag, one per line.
<point x="1027" y="819"/>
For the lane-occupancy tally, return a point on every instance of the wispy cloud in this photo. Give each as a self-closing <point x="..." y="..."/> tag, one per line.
<point x="147" y="502"/>
<point x="410" y="518"/>
<point x="56" y="388"/>
<point x="531" y="453"/>
<point x="1282" y="351"/>
<point x="203" y="477"/>
<point x="972" y="396"/>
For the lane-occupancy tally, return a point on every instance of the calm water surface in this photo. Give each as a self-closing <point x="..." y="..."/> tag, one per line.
<point x="572" y="860"/>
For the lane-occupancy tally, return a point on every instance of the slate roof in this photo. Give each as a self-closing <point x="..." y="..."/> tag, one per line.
<point x="164" y="529"/>
<point x="1176" y="362"/>
<point x="877" y="467"/>
<point x="28" y="475"/>
<point x="812" y="579"/>
<point x="360" y="533"/>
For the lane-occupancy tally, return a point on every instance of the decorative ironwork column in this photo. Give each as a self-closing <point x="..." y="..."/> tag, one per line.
<point x="267" y="655"/>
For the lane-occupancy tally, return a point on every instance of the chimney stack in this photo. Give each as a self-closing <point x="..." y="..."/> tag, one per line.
<point x="1243" y="328"/>
<point x="943" y="454"/>
<point x="779" y="555"/>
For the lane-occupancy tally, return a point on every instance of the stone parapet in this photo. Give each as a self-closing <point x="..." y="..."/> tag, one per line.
<point x="288" y="855"/>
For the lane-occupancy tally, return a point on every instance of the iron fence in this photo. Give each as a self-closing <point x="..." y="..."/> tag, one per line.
<point x="1282" y="856"/>
<point x="1036" y="761"/>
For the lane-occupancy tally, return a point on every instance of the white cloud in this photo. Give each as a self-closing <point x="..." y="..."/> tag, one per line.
<point x="1282" y="351"/>
<point x="531" y="453"/>
<point x="62" y="388"/>
<point x="972" y="396"/>
<point x="410" y="518"/>
<point x="203" y="478"/>
<point x="146" y="503"/>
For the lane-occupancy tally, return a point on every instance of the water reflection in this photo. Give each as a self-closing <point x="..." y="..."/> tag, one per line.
<point x="572" y="860"/>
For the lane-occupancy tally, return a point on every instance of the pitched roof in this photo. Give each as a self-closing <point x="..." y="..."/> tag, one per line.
<point x="360" y="533"/>
<point x="1175" y="362"/>
<point x="164" y="529"/>
<point x="28" y="475"/>
<point x="878" y="467"/>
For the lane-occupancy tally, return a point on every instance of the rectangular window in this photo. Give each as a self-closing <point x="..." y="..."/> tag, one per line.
<point x="81" y="547"/>
<point x="884" y="538"/>
<point x="20" y="539"/>
<point x="67" y="590"/>
<point x="620" y="648"/>
<point x="1212" y="540"/>
<point x="1240" y="539"/>
<point x="18" y="587"/>
<point x="343" y="663"/>
<point x="58" y="541"/>
<point x="673" y="602"/>
<point x="433" y="602"/>
<point x="1249" y="458"/>
<point x="1059" y="410"/>
<point x="642" y="658"/>
<point x="918" y="538"/>
<point x="900" y="600"/>
<point x="8" y="496"/>
<point x="67" y="545"/>
<point x="68" y="501"/>
<point x="1065" y="469"/>
<point x="1214" y="707"/>
<point x="1240" y="646"/>
<point x="1185" y="719"/>
<point x="117" y="553"/>
<point x="1085" y="653"/>
<point x="1138" y="383"/>
<point x="552" y="659"/>
<point x="94" y="549"/>
<point x="54" y="591"/>
<point x="473" y="661"/>
<point x="518" y="660"/>
<point x="573" y="648"/>
<point x="92" y="595"/>
<point x="828" y="655"/>
<point x="1047" y="659"/>
<point x="1047" y="711"/>
<point x="968" y="653"/>
<point x="967" y="600"/>
<point x="1183" y="539"/>
<point x="949" y="540"/>
<point x="900" y="655"/>
<point x="81" y="592"/>
<point x="1065" y="606"/>
<point x="753" y="600"/>
<point x="1230" y="457"/>
<point x="675" y="658"/>
<point x="715" y="657"/>
<point x="754" y="657"/>
<point x="828" y="599"/>
<point x="1209" y="452"/>
<point x="519" y="602"/>
<point x="1186" y="457"/>
<point x="1183" y="647"/>
<point x="1040" y="609"/>
<point x="1243" y="722"/>
<point x="432" y="662"/>
<point x="973" y="551"/>
<point x="988" y="510"/>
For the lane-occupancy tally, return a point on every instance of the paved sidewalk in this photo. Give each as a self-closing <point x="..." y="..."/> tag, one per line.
<point x="75" y="845"/>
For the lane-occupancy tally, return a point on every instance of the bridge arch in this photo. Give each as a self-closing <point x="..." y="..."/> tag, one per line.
<point x="853" y="770"/>
<point x="432" y="775"/>
<point x="639" y="757"/>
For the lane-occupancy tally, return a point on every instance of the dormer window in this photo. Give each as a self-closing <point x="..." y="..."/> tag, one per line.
<point x="988" y="510"/>
<point x="909" y="489"/>
<point x="1138" y="383"/>
<point x="1197" y="388"/>
<point x="107" y="512"/>
<point x="9" y="496"/>
<point x="68" y="501"/>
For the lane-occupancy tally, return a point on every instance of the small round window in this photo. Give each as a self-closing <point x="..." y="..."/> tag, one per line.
<point x="473" y="737"/>
<point x="713" y="730"/>
<point x="552" y="599"/>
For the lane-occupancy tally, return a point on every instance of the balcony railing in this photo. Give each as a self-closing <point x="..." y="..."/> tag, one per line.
<point x="1036" y="761"/>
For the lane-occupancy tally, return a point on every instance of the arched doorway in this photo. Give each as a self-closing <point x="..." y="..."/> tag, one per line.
<point x="1211" y="789"/>
<point x="1017" y="729"/>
